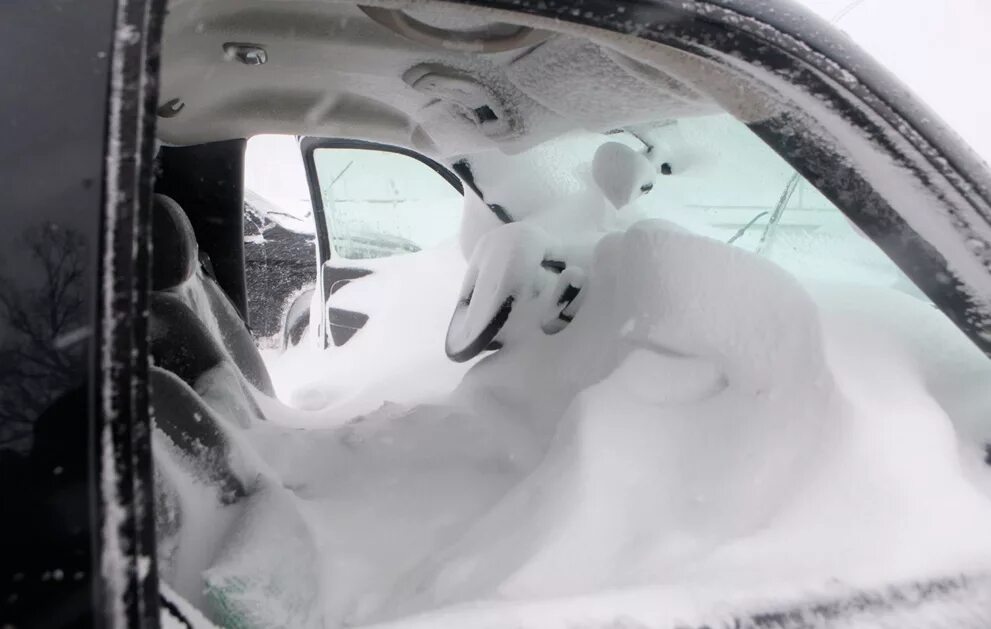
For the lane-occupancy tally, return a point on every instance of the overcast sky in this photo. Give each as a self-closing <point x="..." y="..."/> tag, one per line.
<point x="940" y="48"/>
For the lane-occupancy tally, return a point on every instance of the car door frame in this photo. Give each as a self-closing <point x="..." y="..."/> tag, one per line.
<point x="326" y="286"/>
<point x="127" y="594"/>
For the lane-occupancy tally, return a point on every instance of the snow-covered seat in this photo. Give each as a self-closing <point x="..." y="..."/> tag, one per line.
<point x="176" y="271"/>
<point x="205" y="365"/>
<point x="202" y="483"/>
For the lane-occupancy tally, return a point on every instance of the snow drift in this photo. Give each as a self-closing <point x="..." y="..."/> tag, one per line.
<point x="705" y="427"/>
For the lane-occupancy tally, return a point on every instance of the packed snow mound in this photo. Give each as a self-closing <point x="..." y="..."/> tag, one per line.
<point x="704" y="427"/>
<point x="667" y="291"/>
<point x="707" y="431"/>
<point x="695" y="397"/>
<point x="621" y="173"/>
<point x="397" y="357"/>
<point x="286" y="593"/>
<point x="918" y="339"/>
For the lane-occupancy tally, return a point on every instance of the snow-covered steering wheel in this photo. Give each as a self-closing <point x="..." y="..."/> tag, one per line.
<point x="518" y="261"/>
<point x="510" y="265"/>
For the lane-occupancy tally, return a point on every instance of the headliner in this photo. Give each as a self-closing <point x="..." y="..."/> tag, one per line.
<point x="334" y="70"/>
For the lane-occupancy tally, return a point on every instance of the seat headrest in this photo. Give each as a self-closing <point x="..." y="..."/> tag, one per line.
<point x="175" y="253"/>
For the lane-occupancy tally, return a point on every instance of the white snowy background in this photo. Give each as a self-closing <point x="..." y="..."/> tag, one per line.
<point x="940" y="48"/>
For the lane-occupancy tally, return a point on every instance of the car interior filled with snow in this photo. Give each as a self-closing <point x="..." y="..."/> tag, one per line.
<point x="490" y="313"/>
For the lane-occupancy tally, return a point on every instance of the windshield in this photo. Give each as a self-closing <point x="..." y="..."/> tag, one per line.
<point x="713" y="177"/>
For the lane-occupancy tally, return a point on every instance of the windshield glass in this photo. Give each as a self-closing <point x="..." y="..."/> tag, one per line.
<point x="718" y="179"/>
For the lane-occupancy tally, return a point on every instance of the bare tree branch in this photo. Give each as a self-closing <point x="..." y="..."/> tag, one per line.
<point x="34" y="370"/>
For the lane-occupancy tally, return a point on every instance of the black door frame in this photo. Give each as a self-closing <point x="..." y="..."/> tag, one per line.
<point x="127" y="592"/>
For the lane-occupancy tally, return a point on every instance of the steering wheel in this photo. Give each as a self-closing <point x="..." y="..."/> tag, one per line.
<point x="510" y="265"/>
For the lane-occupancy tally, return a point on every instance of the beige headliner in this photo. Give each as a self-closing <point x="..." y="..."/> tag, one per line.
<point x="332" y="71"/>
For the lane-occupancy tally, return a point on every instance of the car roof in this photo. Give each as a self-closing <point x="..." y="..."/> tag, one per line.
<point x="343" y="70"/>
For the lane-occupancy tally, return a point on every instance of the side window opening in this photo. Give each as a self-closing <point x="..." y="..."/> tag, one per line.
<point x="381" y="202"/>
<point x="279" y="233"/>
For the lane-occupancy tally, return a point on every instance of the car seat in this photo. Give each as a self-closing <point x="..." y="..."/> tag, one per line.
<point x="185" y="298"/>
<point x="205" y="364"/>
